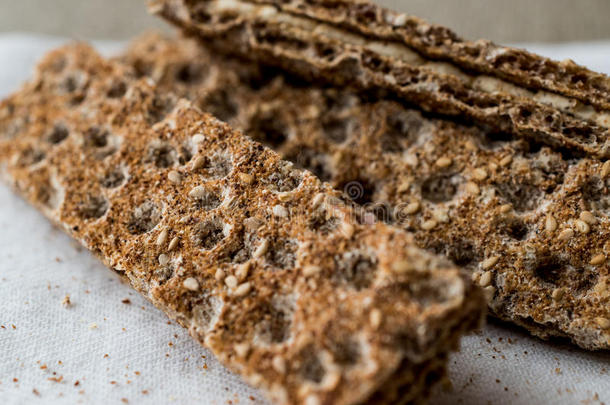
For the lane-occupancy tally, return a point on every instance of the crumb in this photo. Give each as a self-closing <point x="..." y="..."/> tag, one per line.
<point x="106" y="356"/>
<point x="35" y="392"/>
<point x="124" y="400"/>
<point x="113" y="382"/>
<point x="93" y="325"/>
<point x="137" y="373"/>
<point x="145" y="392"/>
<point x="13" y="326"/>
<point x="15" y="379"/>
<point x="58" y="260"/>
<point x="557" y="370"/>
<point x="56" y="379"/>
<point x="43" y="367"/>
<point x="76" y="383"/>
<point x="126" y="301"/>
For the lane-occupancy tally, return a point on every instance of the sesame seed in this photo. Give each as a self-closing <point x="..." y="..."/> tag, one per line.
<point x="566" y="234"/>
<point x="347" y="229"/>
<point x="231" y="281"/>
<point x="603" y="323"/>
<point x="401" y="266"/>
<point x="444" y="162"/>
<point x="197" y="192"/>
<point x="505" y="208"/>
<point x="242" y="289"/>
<point x="242" y="349"/>
<point x="246" y="178"/>
<point x="163" y="259"/>
<point x="479" y="174"/>
<point x="441" y="215"/>
<point x="173" y="243"/>
<point x="485" y="279"/>
<point x="279" y="364"/>
<point x="582" y="226"/>
<point x="242" y="271"/>
<point x="472" y="188"/>
<point x="220" y="275"/>
<point x="598" y="259"/>
<point x="588" y="217"/>
<point x="191" y="284"/>
<point x="428" y="225"/>
<point x="506" y="161"/>
<point x="490" y="262"/>
<point x="198" y="163"/>
<point x="312" y="400"/>
<point x="412" y="208"/>
<point x="557" y="294"/>
<point x="605" y="172"/>
<point x="162" y="238"/>
<point x="198" y="138"/>
<point x="375" y="318"/>
<point x="280" y="211"/>
<point x="311" y="270"/>
<point x="252" y="223"/>
<point x="261" y="249"/>
<point x="317" y="200"/>
<point x="174" y="177"/>
<point x="284" y="196"/>
<point x="93" y="325"/>
<point x="550" y="223"/>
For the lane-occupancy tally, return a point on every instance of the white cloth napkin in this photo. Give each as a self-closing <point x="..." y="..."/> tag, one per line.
<point x="112" y="346"/>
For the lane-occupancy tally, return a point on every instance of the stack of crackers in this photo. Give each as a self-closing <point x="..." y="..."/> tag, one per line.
<point x="327" y="194"/>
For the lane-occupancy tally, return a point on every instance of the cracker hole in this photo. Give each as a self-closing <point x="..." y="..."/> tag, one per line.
<point x="440" y="188"/>
<point x="269" y="130"/>
<point x="282" y="253"/>
<point x="93" y="207"/>
<point x="346" y="351"/>
<point x="220" y="104"/>
<point x="58" y="134"/>
<point x="284" y="179"/>
<point x="30" y="156"/>
<point x="217" y="167"/>
<point x="208" y="201"/>
<point x="522" y="196"/>
<point x="205" y="313"/>
<point x="355" y="269"/>
<point x="112" y="179"/>
<point x="276" y="320"/>
<point x="209" y="233"/>
<point x="307" y="158"/>
<point x="323" y="222"/>
<point x="596" y="196"/>
<point x="96" y="137"/>
<point x="190" y="73"/>
<point x="400" y="132"/>
<point x="337" y="130"/>
<point x="310" y="366"/>
<point x="159" y="108"/>
<point x="161" y="154"/>
<point x="117" y="89"/>
<point x="144" y="218"/>
<point x="239" y="249"/>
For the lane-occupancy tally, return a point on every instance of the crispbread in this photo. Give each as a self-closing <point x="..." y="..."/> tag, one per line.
<point x="262" y="262"/>
<point x="360" y="44"/>
<point x="530" y="223"/>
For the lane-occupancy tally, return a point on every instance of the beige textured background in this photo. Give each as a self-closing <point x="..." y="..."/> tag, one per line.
<point x="500" y="20"/>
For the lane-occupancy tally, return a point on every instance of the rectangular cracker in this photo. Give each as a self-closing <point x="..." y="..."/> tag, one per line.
<point x="264" y="264"/>
<point x="530" y="223"/>
<point x="358" y="43"/>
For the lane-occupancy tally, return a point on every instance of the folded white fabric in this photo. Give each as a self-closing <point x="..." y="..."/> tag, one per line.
<point x="106" y="344"/>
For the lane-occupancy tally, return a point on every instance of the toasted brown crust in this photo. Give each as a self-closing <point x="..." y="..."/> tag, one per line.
<point x="331" y="46"/>
<point x="531" y="224"/>
<point x="262" y="262"/>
